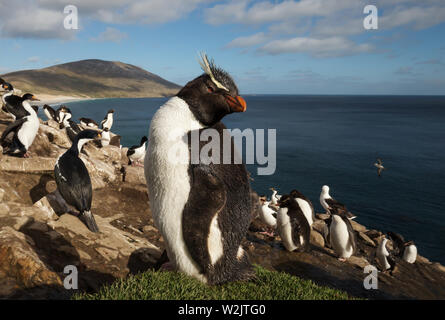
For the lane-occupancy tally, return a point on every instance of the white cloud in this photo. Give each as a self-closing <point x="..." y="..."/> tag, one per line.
<point x="249" y="41"/>
<point x="44" y="18"/>
<point x="321" y="48"/>
<point x="110" y="35"/>
<point x="34" y="59"/>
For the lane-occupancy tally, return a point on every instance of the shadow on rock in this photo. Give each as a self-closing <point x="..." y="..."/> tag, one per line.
<point x="142" y="260"/>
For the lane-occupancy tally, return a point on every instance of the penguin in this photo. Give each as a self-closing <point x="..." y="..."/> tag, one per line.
<point x="201" y="208"/>
<point x="107" y="122"/>
<point x="275" y="197"/>
<point x="327" y="202"/>
<point x="73" y="180"/>
<point x="13" y="104"/>
<point x="136" y="153"/>
<point x="305" y="205"/>
<point x="292" y="225"/>
<point x="25" y="130"/>
<point x="64" y="114"/>
<point x="71" y="128"/>
<point x="268" y="216"/>
<point x="50" y="113"/>
<point x="342" y="236"/>
<point x="105" y="141"/>
<point x="406" y="250"/>
<point x="88" y="123"/>
<point x="384" y="258"/>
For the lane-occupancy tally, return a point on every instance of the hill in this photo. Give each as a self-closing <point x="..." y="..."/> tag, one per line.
<point x="92" y="79"/>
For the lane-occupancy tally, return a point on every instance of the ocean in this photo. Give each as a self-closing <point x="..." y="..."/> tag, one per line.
<point x="335" y="140"/>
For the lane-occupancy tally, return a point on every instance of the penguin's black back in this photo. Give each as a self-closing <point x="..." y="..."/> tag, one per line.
<point x="73" y="181"/>
<point x="14" y="106"/>
<point x="221" y="189"/>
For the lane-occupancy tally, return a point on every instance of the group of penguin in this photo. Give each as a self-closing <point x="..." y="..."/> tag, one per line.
<point x="292" y="217"/>
<point x="202" y="210"/>
<point x="71" y="175"/>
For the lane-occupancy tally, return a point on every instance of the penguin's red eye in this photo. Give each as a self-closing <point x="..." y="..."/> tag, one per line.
<point x="209" y="89"/>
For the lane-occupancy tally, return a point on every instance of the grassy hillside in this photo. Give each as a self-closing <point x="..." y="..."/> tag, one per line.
<point x="94" y="79"/>
<point x="177" y="286"/>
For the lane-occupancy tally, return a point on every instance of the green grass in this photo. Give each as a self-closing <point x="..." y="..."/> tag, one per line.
<point x="268" y="285"/>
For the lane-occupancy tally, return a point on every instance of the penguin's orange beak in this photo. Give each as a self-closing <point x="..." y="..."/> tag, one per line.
<point x="237" y="104"/>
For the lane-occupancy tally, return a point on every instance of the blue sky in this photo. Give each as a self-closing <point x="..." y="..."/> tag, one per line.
<point x="289" y="47"/>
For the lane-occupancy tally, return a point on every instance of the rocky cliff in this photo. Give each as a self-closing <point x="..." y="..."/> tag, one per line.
<point x="38" y="238"/>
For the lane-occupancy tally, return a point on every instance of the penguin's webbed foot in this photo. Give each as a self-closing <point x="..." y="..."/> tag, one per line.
<point x="342" y="259"/>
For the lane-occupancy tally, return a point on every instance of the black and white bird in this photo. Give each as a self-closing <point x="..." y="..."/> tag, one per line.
<point x="15" y="105"/>
<point x="107" y="122"/>
<point x="201" y="208"/>
<point x="73" y="180"/>
<point x="292" y="225"/>
<point x="136" y="153"/>
<point x="24" y="130"/>
<point x="268" y="216"/>
<point x="328" y="203"/>
<point x="406" y="250"/>
<point x="379" y="166"/>
<point x="72" y="129"/>
<point x="384" y="258"/>
<point x="305" y="204"/>
<point x="87" y="123"/>
<point x="341" y="235"/>
<point x="50" y="113"/>
<point x="63" y="114"/>
<point x="275" y="196"/>
<point x="105" y="141"/>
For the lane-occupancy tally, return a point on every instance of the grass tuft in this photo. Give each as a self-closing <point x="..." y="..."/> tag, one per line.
<point x="267" y="285"/>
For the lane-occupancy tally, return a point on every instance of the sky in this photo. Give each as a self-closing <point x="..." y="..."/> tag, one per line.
<point x="269" y="47"/>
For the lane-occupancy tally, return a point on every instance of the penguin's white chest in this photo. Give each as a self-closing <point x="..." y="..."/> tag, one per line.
<point x="284" y="229"/>
<point x="267" y="216"/>
<point x="166" y="171"/>
<point x="109" y="122"/>
<point x="28" y="130"/>
<point x="139" y="153"/>
<point x="48" y="115"/>
<point x="410" y="254"/>
<point x="339" y="237"/>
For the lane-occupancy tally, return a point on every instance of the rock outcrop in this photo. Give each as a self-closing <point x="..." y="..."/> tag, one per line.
<point x="39" y="236"/>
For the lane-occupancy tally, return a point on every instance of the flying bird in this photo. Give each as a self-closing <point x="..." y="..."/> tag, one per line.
<point x="379" y="166"/>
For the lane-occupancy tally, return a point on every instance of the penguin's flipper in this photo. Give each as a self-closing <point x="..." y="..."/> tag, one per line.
<point x="351" y="232"/>
<point x="208" y="193"/>
<point x="12" y="127"/>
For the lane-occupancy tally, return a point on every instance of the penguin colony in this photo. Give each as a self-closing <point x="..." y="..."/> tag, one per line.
<point x="72" y="178"/>
<point x="201" y="210"/>
<point x="292" y="218"/>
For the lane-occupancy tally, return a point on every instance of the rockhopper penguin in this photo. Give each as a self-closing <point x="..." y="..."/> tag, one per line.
<point x="73" y="180"/>
<point x="292" y="225"/>
<point x="201" y="209"/>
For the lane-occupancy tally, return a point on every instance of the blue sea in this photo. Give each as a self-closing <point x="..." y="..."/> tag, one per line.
<point x="335" y="140"/>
